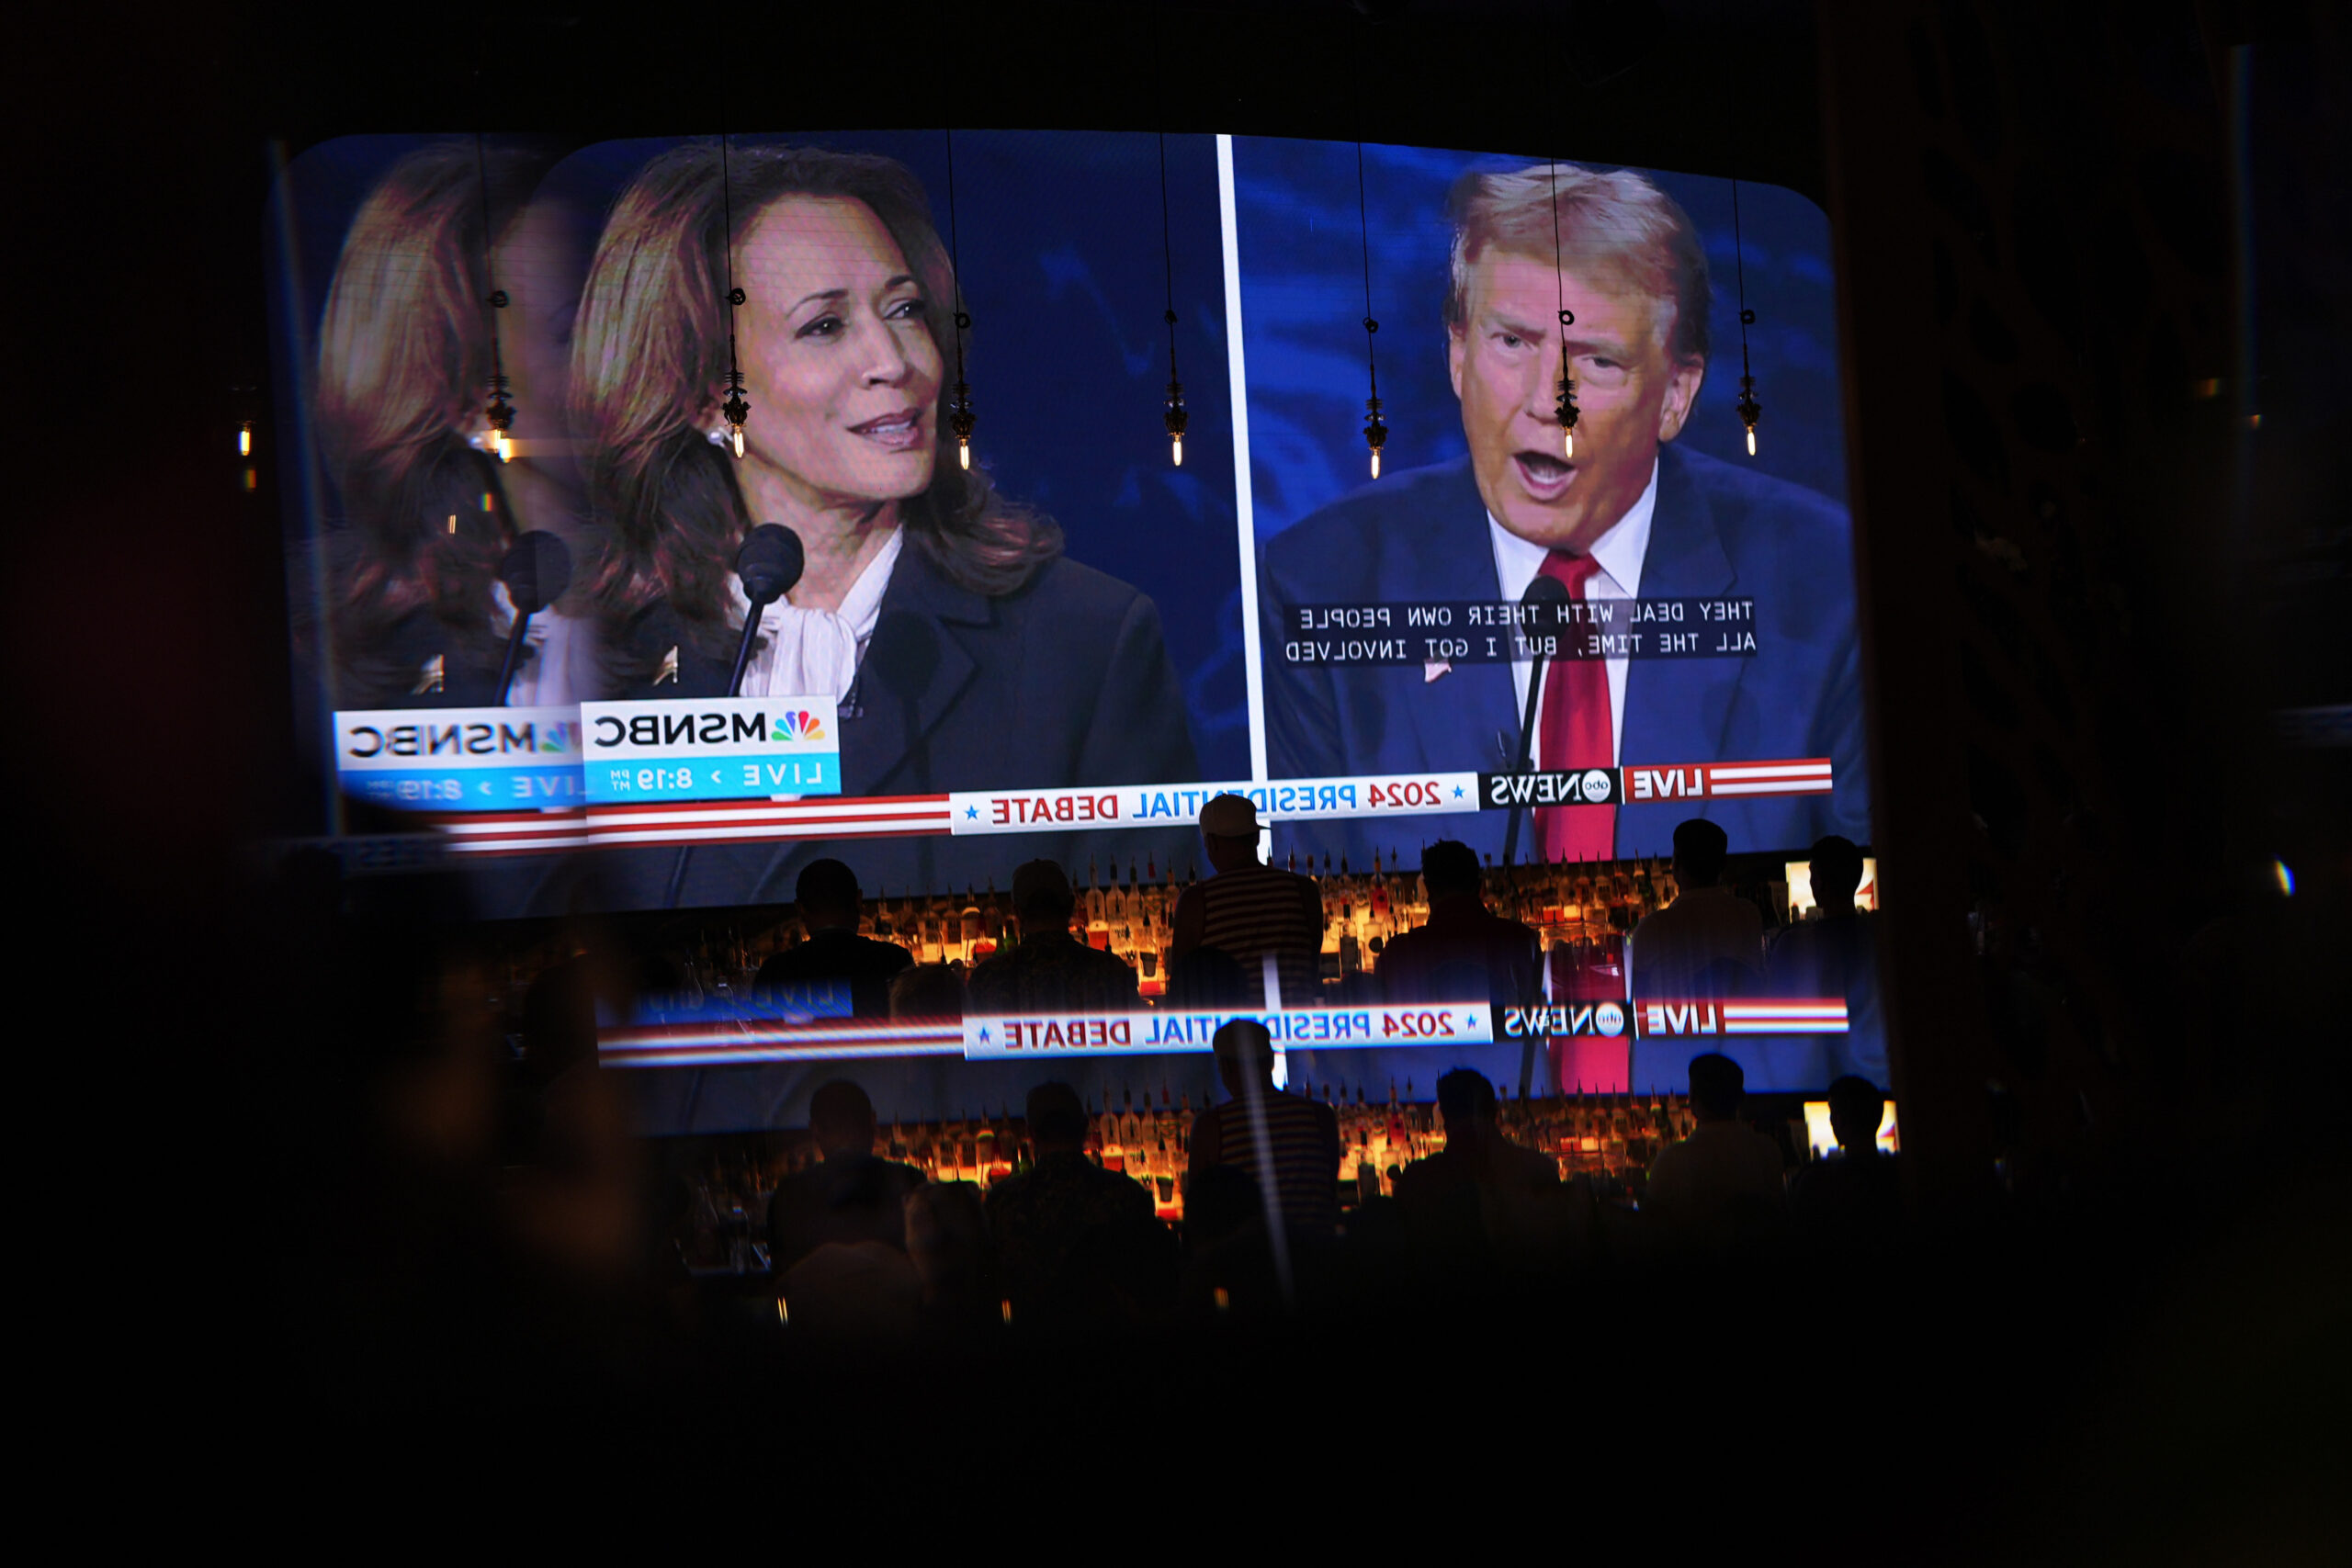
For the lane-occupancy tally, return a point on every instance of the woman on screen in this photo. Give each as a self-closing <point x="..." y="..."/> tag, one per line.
<point x="425" y="510"/>
<point x="967" y="651"/>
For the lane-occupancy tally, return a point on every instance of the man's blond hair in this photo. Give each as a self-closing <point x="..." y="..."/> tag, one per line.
<point x="1614" y="225"/>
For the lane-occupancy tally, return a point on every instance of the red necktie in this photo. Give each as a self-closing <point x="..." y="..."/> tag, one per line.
<point x="1575" y="734"/>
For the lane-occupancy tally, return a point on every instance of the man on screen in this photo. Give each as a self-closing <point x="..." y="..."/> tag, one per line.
<point x="1629" y="515"/>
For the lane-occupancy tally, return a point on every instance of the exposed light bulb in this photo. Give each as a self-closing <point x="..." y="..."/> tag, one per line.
<point x="964" y="451"/>
<point x="246" y="439"/>
<point x="505" y="447"/>
<point x="1179" y="444"/>
<point x="1567" y="442"/>
<point x="735" y="439"/>
<point x="1375" y="462"/>
<point x="1751" y="441"/>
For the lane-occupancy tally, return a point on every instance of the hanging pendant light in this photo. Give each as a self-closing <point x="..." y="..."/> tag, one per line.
<point x="1750" y="410"/>
<point x="498" y="437"/>
<point x="737" y="409"/>
<point x="959" y="406"/>
<point x="1175" y="418"/>
<point x="1375" y="432"/>
<point x="1567" y="404"/>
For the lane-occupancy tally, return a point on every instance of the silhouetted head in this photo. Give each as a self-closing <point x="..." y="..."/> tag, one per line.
<point x="927" y="990"/>
<point x="1042" y="899"/>
<point x="1700" y="850"/>
<point x="1836" y="875"/>
<point x="1057" y="1119"/>
<point x="1220" y="1202"/>
<point x="1856" y="1108"/>
<point x="828" y="895"/>
<point x="1229" y="833"/>
<point x="1207" y="980"/>
<point x="1717" y="1086"/>
<point x="1244" y="1057"/>
<point x="841" y="1118"/>
<point x="1450" y="868"/>
<point x="1467" y="1101"/>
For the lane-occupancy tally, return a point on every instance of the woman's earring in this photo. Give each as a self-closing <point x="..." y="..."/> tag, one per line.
<point x="721" y="435"/>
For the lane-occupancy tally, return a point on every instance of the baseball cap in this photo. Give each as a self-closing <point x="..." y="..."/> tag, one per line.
<point x="1229" y="817"/>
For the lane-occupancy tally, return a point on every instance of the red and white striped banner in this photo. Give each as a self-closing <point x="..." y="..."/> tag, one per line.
<point x="1808" y="777"/>
<point x="514" y="832"/>
<point x="644" y="823"/>
<point x="735" y="1040"/>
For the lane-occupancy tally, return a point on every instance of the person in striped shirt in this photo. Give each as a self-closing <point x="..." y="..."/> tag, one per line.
<point x="1252" y="912"/>
<point x="1288" y="1143"/>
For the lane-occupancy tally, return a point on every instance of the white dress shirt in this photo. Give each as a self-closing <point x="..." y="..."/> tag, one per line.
<point x="813" y="653"/>
<point x="1619" y="553"/>
<point x="560" y="660"/>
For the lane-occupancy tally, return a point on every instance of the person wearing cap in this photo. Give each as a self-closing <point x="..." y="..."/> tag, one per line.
<point x="1249" y="911"/>
<point x="1288" y="1143"/>
<point x="1048" y="970"/>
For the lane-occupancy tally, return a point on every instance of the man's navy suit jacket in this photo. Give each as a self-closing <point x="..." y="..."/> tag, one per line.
<point x="1717" y="530"/>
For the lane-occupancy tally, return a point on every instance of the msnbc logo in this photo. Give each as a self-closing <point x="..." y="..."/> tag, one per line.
<point x="800" y="726"/>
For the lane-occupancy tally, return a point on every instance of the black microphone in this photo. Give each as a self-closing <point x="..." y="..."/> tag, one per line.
<point x="769" y="563"/>
<point x="1542" y="591"/>
<point x="536" y="572"/>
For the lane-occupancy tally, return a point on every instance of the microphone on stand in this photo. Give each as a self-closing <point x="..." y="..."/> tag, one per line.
<point x="1542" y="591"/>
<point x="536" y="572"/>
<point x="769" y="563"/>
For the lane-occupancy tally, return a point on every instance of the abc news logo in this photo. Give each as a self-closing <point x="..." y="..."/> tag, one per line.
<point x="369" y="741"/>
<point x="1574" y="787"/>
<point x="1562" y="1019"/>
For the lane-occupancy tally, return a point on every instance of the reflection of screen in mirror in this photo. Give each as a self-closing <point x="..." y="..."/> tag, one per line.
<point x="1799" y="878"/>
<point x="1823" y="1142"/>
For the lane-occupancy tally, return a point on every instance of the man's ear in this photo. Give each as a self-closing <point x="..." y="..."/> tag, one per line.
<point x="1681" y="393"/>
<point x="1457" y="345"/>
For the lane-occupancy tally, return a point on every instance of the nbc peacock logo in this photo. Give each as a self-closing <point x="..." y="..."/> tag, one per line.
<point x="556" y="737"/>
<point x="799" y="725"/>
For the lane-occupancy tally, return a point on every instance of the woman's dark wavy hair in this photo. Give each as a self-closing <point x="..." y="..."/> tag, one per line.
<point x="402" y="372"/>
<point x="648" y="373"/>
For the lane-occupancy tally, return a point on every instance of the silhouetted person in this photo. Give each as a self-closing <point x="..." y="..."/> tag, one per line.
<point x="947" y="1238"/>
<point x="1482" y="1194"/>
<point x="851" y="1196"/>
<point x="1050" y="1222"/>
<point x="927" y="990"/>
<point x="1207" y="980"/>
<point x="828" y="900"/>
<point x="1720" y="1187"/>
<point x="1050" y="970"/>
<point x="1466" y="951"/>
<point x="1855" y="1199"/>
<point x="1675" y="950"/>
<point x="1229" y="1261"/>
<point x="1288" y="1143"/>
<point x="1251" y="911"/>
<point x="1836" y="954"/>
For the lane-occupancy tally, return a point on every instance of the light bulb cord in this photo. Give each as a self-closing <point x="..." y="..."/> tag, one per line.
<point x="1168" y="257"/>
<point x="491" y="299"/>
<point x="956" y="263"/>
